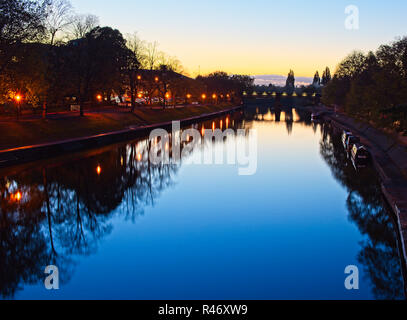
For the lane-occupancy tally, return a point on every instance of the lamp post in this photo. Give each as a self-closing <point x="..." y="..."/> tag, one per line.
<point x="18" y="101"/>
<point x="188" y="98"/>
<point x="134" y="89"/>
<point x="156" y="79"/>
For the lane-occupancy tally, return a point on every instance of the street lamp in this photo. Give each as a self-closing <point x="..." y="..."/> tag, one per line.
<point x="138" y="77"/>
<point x="156" y="79"/>
<point x="99" y="97"/>
<point x="18" y="99"/>
<point x="18" y="196"/>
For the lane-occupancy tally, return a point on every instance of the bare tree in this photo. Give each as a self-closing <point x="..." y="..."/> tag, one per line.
<point x="152" y="55"/>
<point x="59" y="17"/>
<point x="136" y="59"/>
<point x="138" y="47"/>
<point x="175" y="64"/>
<point x="82" y="24"/>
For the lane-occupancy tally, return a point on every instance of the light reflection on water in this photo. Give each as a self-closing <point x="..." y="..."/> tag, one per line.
<point x="118" y="226"/>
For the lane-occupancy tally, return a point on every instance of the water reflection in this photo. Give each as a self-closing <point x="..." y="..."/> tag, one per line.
<point x="379" y="254"/>
<point x="56" y="212"/>
<point x="278" y="113"/>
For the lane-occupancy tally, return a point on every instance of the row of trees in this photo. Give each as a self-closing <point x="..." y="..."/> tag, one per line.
<point x="290" y="87"/>
<point x="53" y="57"/>
<point x="373" y="86"/>
<point x="324" y="80"/>
<point x="316" y="82"/>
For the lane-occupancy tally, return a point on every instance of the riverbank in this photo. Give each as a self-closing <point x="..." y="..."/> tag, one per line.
<point x="390" y="161"/>
<point x="35" y="139"/>
<point x="68" y="125"/>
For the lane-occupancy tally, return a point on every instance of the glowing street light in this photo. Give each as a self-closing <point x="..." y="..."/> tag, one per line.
<point x="98" y="170"/>
<point x="167" y="95"/>
<point x="140" y="95"/>
<point x="214" y="96"/>
<point x="156" y="79"/>
<point x="138" y="77"/>
<point x="204" y="96"/>
<point x="189" y="96"/>
<point x="18" y="196"/>
<point x="99" y="97"/>
<point x="18" y="99"/>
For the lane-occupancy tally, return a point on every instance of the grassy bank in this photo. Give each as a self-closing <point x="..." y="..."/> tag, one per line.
<point x="27" y="132"/>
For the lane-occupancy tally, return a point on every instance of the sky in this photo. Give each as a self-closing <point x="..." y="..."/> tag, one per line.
<point x="256" y="37"/>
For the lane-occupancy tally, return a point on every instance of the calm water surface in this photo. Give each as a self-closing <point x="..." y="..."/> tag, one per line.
<point x="119" y="227"/>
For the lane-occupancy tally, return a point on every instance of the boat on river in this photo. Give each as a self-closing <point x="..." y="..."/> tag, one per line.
<point x="360" y="156"/>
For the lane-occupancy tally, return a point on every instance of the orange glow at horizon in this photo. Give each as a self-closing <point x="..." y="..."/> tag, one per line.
<point x="304" y="62"/>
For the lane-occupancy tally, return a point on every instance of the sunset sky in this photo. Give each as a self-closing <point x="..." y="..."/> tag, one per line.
<point x="254" y="37"/>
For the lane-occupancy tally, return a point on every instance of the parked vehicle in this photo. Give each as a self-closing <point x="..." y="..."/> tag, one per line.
<point x="360" y="155"/>
<point x="350" y="142"/>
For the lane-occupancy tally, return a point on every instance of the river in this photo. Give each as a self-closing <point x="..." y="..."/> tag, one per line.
<point x="119" y="227"/>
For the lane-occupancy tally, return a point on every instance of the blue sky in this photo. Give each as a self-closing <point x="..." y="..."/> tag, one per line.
<point x="254" y="37"/>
